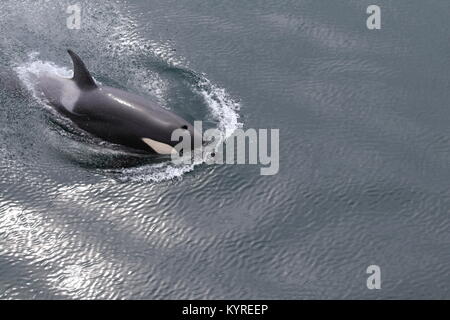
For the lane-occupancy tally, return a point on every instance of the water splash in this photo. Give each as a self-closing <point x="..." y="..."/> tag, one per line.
<point x="221" y="107"/>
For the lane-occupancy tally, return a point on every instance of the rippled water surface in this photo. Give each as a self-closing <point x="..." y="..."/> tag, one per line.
<point x="364" y="119"/>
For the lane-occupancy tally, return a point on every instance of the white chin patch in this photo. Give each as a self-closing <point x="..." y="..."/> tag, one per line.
<point x="159" y="147"/>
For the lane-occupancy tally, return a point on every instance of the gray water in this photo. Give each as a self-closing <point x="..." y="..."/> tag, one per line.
<point x="364" y="152"/>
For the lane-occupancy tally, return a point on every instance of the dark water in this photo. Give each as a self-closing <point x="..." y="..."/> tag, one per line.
<point x="364" y="152"/>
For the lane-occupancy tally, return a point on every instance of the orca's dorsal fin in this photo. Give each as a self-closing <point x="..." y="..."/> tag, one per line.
<point x="81" y="75"/>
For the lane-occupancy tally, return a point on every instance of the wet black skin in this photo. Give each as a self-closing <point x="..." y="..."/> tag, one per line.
<point x="125" y="118"/>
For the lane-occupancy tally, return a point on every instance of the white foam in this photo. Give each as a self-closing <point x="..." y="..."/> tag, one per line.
<point x="223" y="108"/>
<point x="30" y="70"/>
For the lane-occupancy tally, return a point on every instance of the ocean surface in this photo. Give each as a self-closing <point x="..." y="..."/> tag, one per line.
<point x="364" y="177"/>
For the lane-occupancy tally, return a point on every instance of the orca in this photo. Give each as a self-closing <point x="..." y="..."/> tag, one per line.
<point x="112" y="114"/>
